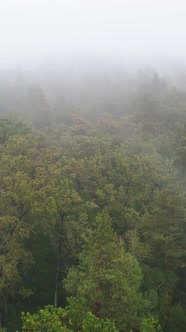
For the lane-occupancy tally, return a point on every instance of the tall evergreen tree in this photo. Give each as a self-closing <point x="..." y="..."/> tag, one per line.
<point x="107" y="279"/>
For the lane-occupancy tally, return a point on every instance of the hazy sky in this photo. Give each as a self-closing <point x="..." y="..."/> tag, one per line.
<point x="42" y="28"/>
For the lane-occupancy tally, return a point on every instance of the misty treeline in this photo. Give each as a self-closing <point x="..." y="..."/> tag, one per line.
<point x="93" y="198"/>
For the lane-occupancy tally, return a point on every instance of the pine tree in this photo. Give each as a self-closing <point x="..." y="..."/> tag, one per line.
<point x="107" y="279"/>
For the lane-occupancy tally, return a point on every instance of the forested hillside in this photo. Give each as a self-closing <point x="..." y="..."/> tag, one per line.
<point x="92" y="202"/>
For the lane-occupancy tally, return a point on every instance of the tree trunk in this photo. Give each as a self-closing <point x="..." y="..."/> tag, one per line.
<point x="1" y="323"/>
<point x="58" y="263"/>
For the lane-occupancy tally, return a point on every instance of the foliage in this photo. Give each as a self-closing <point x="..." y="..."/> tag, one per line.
<point x="107" y="279"/>
<point x="94" y="195"/>
<point x="53" y="319"/>
<point x="150" y="324"/>
<point x="48" y="319"/>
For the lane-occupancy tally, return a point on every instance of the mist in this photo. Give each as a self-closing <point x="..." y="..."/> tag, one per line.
<point x="35" y="31"/>
<point x="77" y="48"/>
<point x="92" y="165"/>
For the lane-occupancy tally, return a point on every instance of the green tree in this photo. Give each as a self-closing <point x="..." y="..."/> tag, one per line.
<point x="51" y="319"/>
<point x="10" y="126"/>
<point x="38" y="107"/>
<point x="16" y="200"/>
<point x="107" y="279"/>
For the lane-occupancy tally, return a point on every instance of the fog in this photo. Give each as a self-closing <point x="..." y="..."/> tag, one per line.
<point x="81" y="44"/>
<point x="35" y="31"/>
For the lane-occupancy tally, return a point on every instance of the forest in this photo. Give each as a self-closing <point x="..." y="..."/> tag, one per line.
<point x="92" y="201"/>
